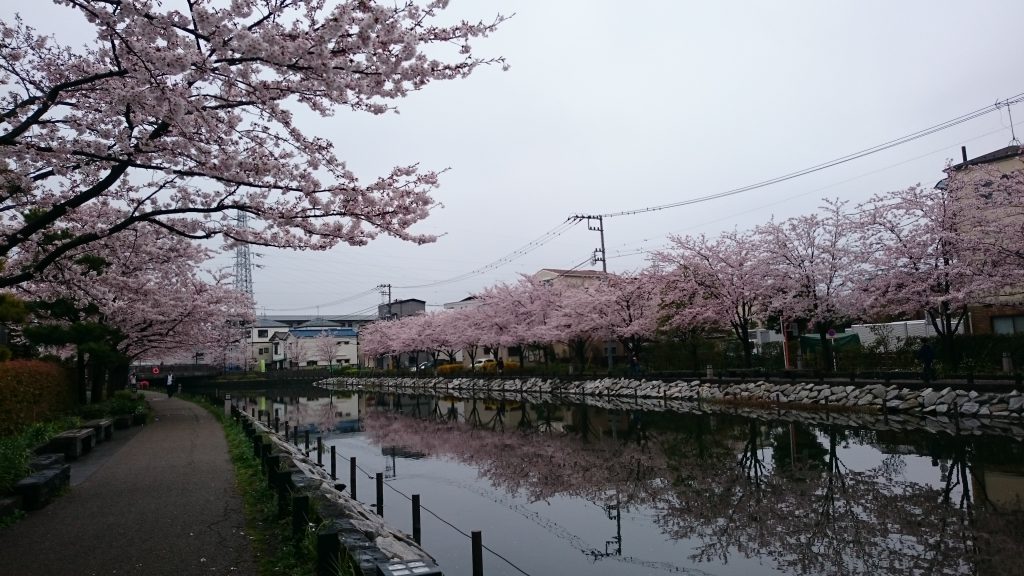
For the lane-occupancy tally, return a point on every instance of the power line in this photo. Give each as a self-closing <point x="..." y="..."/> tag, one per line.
<point x="831" y="163"/>
<point x="331" y="303"/>
<point x="618" y="252"/>
<point x="508" y="258"/>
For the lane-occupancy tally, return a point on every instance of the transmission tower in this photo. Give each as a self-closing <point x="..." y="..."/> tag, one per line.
<point x="243" y="259"/>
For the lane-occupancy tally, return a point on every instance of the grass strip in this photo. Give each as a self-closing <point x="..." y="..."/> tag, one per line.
<point x="275" y="553"/>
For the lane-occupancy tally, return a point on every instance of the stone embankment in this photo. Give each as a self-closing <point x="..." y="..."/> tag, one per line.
<point x="346" y="532"/>
<point x="946" y="409"/>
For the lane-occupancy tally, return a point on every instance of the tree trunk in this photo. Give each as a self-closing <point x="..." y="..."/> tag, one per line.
<point x="96" y="373"/>
<point x="80" y="381"/>
<point x="827" y="365"/>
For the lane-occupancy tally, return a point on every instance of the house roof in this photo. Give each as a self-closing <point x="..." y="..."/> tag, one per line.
<point x="994" y="156"/>
<point x="315" y="332"/>
<point x="279" y="336"/>
<point x="295" y="319"/>
<point x="264" y="322"/>
<point x="408" y="300"/>
<point x="319" y="323"/>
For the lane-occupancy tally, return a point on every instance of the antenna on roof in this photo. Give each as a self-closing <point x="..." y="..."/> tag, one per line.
<point x="1009" y="112"/>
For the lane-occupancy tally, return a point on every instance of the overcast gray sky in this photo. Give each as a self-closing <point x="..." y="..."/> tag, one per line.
<point x="612" y="106"/>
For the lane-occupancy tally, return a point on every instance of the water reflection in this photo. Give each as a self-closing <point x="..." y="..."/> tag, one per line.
<point x="797" y="498"/>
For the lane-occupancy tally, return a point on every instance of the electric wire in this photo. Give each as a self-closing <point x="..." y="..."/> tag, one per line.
<point x="541" y="240"/>
<point x="831" y="163"/>
<point x="571" y="222"/>
<point x="331" y="303"/>
<point x="618" y="252"/>
<point x="371" y="476"/>
<point x="510" y="257"/>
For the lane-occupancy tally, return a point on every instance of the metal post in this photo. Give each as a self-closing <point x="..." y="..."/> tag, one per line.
<point x="352" y="476"/>
<point x="287" y="429"/>
<point x="417" y="531"/>
<point x="478" y="553"/>
<point x="334" y="464"/>
<point x="380" y="494"/>
<point x="319" y="451"/>
<point x="307" y="441"/>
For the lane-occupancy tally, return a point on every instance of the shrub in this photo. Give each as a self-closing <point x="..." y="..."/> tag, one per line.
<point x="32" y="391"/>
<point x="449" y="369"/>
<point x="16" y="450"/>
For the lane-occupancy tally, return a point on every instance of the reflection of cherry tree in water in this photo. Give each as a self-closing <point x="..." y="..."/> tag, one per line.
<point x="316" y="413"/>
<point x="738" y="486"/>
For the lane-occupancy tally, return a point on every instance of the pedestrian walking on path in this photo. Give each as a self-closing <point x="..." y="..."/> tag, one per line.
<point x="162" y="503"/>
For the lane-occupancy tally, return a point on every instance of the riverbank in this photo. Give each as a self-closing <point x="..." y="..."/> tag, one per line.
<point x="947" y="409"/>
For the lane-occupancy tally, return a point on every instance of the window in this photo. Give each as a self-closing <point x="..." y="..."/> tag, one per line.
<point x="1008" y="325"/>
<point x="262" y="333"/>
<point x="277" y="349"/>
<point x="264" y="351"/>
<point x="311" y="363"/>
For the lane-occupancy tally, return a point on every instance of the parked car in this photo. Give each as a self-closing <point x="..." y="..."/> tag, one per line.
<point x="483" y="362"/>
<point x="423" y="366"/>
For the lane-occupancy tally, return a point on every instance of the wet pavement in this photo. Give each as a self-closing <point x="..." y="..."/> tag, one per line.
<point x="156" y="500"/>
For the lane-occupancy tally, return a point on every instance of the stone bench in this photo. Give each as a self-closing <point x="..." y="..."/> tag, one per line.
<point x="37" y="489"/>
<point x="44" y="461"/>
<point x="72" y="443"/>
<point x="103" y="427"/>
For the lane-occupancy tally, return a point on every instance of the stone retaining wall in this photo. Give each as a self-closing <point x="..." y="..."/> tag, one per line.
<point x="947" y="409"/>
<point x="344" y="527"/>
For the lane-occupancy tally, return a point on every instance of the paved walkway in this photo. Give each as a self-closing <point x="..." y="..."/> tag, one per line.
<point x="156" y="501"/>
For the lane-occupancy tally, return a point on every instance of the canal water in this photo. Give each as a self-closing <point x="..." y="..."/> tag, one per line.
<point x="580" y="490"/>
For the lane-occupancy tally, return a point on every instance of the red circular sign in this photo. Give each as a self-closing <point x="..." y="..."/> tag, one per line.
<point x="156" y="369"/>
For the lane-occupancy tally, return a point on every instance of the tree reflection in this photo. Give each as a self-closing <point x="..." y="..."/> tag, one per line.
<point x="731" y="486"/>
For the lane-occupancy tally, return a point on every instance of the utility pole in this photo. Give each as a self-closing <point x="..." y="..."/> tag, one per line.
<point x="599" y="256"/>
<point x="385" y="292"/>
<point x="599" y="253"/>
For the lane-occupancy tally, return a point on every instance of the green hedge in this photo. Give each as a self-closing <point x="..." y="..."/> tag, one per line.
<point x="32" y="391"/>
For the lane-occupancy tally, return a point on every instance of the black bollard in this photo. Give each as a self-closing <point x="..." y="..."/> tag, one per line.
<point x="478" y="553"/>
<point x="307" y="441"/>
<point x="277" y="425"/>
<point x="334" y="464"/>
<point x="300" y="515"/>
<point x="352" y="476"/>
<point x="380" y="494"/>
<point x="287" y="429"/>
<point x="319" y="451"/>
<point x="417" y="531"/>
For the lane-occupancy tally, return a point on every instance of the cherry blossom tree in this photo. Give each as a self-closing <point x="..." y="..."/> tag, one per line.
<point x="325" y="347"/>
<point x="147" y="294"/>
<point x="716" y="284"/>
<point x="574" y="321"/>
<point x="178" y="117"/>
<point x="923" y="257"/>
<point x="629" y="306"/>
<point x="811" y="268"/>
